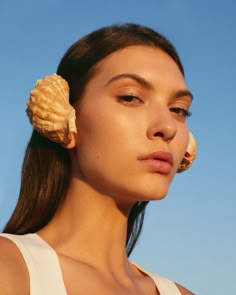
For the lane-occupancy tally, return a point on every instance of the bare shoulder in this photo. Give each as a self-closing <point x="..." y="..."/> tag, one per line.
<point x="183" y="290"/>
<point x="14" y="278"/>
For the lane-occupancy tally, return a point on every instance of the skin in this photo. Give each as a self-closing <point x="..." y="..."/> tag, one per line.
<point x="108" y="175"/>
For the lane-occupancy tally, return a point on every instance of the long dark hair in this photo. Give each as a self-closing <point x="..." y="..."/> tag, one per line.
<point x="46" y="167"/>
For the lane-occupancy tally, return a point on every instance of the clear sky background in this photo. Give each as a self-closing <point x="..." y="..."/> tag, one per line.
<point x="190" y="235"/>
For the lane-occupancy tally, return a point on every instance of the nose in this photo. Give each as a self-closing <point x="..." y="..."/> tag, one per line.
<point x="162" y="124"/>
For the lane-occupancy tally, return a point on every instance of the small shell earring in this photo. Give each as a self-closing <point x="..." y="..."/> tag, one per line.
<point x="189" y="155"/>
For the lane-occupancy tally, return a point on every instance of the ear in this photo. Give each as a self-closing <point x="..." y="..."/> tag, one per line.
<point x="72" y="143"/>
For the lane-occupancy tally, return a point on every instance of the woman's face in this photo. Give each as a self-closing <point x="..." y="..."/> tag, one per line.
<point x="131" y="122"/>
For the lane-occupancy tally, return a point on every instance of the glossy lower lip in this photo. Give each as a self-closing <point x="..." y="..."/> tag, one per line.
<point x="158" y="165"/>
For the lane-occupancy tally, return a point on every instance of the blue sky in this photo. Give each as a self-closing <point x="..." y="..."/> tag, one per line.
<point x="190" y="235"/>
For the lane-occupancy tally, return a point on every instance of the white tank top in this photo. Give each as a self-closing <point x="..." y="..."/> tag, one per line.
<point x="45" y="272"/>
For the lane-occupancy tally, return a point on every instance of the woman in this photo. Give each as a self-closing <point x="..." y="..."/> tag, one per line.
<point x="91" y="166"/>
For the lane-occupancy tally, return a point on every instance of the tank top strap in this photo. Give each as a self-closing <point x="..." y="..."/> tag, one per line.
<point x="164" y="285"/>
<point x="45" y="272"/>
<point x="42" y="263"/>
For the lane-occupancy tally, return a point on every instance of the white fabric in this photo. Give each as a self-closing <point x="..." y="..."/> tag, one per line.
<point x="164" y="285"/>
<point x="45" y="272"/>
<point x="42" y="263"/>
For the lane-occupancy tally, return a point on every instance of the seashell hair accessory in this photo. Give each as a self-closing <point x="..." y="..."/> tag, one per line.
<point x="190" y="154"/>
<point x="49" y="110"/>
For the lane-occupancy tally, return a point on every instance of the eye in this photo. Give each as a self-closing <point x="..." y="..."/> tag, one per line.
<point x="181" y="112"/>
<point x="130" y="99"/>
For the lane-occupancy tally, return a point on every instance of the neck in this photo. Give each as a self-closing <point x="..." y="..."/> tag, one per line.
<point x="92" y="223"/>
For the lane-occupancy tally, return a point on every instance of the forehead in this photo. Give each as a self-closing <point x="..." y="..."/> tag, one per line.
<point x="149" y="62"/>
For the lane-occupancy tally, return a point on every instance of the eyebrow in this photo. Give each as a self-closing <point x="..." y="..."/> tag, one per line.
<point x="144" y="83"/>
<point x="184" y="92"/>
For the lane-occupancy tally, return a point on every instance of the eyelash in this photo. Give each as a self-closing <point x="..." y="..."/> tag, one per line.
<point x="179" y="111"/>
<point x="129" y="99"/>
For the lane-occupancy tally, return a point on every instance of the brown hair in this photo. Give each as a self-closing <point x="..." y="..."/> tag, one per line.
<point x="46" y="166"/>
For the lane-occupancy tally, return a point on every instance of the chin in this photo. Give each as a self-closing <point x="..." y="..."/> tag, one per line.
<point x="155" y="189"/>
<point x="149" y="193"/>
<point x="157" y="195"/>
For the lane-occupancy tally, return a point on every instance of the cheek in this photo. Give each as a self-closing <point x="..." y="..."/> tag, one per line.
<point x="101" y="131"/>
<point x="102" y="164"/>
<point x="99" y="144"/>
<point x="108" y="145"/>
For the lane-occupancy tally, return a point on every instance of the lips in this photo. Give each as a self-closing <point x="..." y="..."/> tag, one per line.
<point x="159" y="162"/>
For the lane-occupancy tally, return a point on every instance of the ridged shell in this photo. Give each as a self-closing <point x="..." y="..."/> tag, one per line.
<point x="190" y="154"/>
<point x="49" y="110"/>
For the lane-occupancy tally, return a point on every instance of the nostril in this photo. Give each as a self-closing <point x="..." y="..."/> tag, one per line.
<point x="158" y="134"/>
